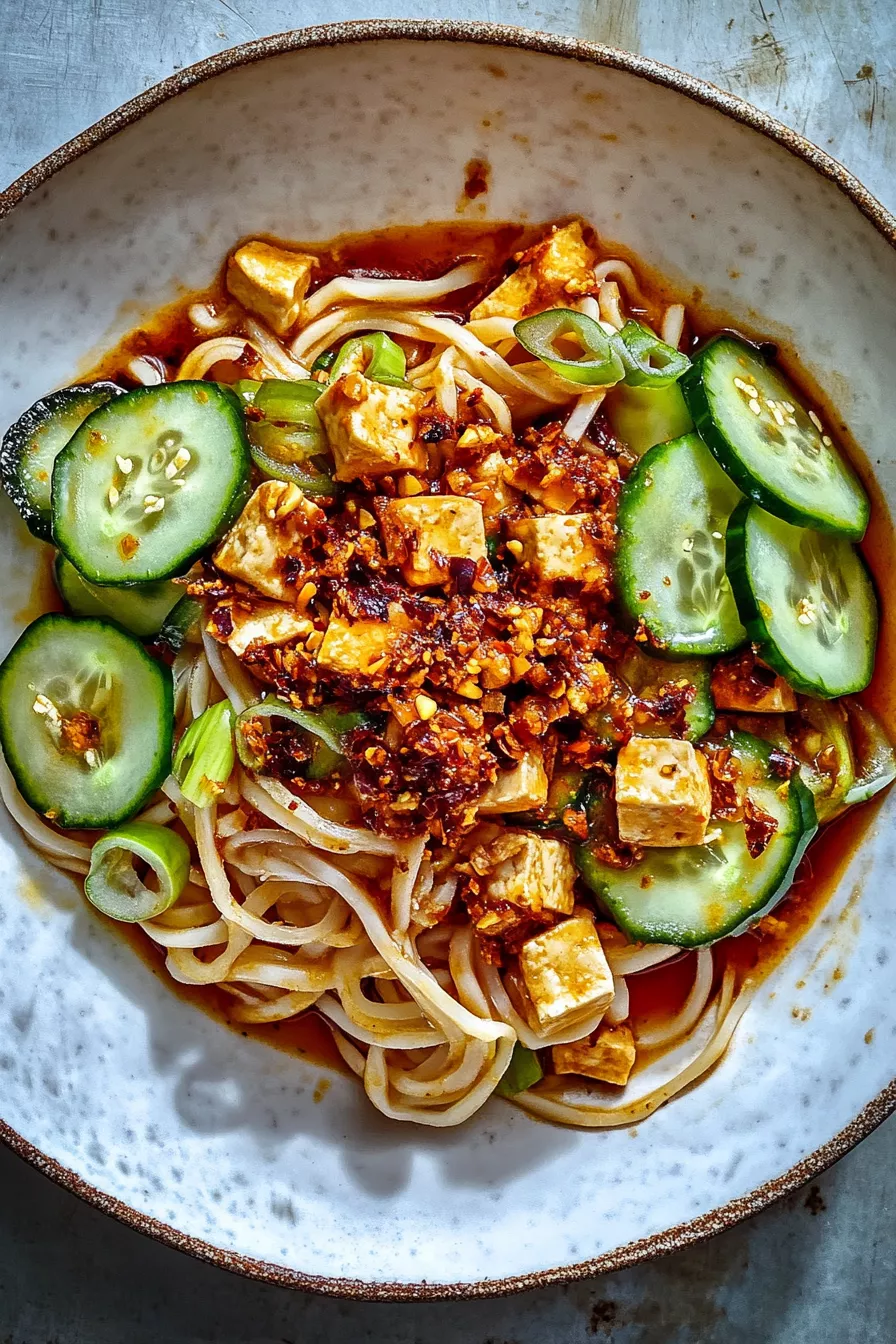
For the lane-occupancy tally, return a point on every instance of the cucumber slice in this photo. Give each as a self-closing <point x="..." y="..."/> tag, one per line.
<point x="181" y="625"/>
<point x="698" y="894"/>
<point x="641" y="417"/>
<point x="86" y="720"/>
<point x="820" y="741"/>
<point x="647" y="676"/>
<point x="140" y="610"/>
<point x="767" y="441"/>
<point x="32" y="444"/>
<point x="671" y="557"/>
<point x="568" y="788"/>
<point x="149" y="481"/>
<point x="873" y="755"/>
<point x="807" y="601"/>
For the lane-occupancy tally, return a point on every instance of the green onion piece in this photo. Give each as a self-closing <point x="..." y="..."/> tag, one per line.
<point x="181" y="625"/>
<point x="875" y="760"/>
<point x="324" y="362"/>
<point x="649" y="362"/>
<point x="289" y="403"/>
<point x="599" y="364"/>
<point x="376" y="355"/>
<point x="523" y="1072"/>
<point x="114" y="885"/>
<point x="246" y="389"/>
<point x="327" y="726"/>
<point x="305" y="474"/>
<point x="204" y="757"/>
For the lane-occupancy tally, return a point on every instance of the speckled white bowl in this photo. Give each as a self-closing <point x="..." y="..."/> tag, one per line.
<point x="147" y="1107"/>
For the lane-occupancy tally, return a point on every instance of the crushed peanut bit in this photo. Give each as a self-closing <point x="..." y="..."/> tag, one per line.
<point x="425" y="706"/>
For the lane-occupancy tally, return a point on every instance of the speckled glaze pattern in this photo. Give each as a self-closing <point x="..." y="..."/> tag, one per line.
<point x="108" y="1081"/>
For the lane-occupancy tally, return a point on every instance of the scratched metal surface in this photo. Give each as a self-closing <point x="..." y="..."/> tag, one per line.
<point x="818" y="1265"/>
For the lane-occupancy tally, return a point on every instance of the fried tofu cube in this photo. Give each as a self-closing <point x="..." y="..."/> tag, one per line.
<point x="267" y="623"/>
<point x="560" y="546"/>
<point x="357" y="647"/>
<point x="538" y="875"/>
<point x="525" y="785"/>
<point x="371" y="428"/>
<point x="609" y="1057"/>
<point x="565" y="972"/>
<point x="271" y="282"/>
<point x="662" y="792"/>
<point x="274" y="524"/>
<point x="424" y="532"/>
<point x="558" y="268"/>
<point x="746" y="686"/>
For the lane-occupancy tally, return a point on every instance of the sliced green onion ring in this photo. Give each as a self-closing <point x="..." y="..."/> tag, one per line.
<point x="649" y="362"/>
<point x="204" y="757"/>
<point x="289" y="402"/>
<point x="114" y="885"/>
<point x="324" y="362"/>
<point x="523" y="1072"/>
<point x="599" y="365"/>
<point x="328" y="726"/>
<point x="375" y="355"/>
<point x="245" y="389"/>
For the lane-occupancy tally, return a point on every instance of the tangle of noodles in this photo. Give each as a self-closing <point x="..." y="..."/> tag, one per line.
<point x="288" y="908"/>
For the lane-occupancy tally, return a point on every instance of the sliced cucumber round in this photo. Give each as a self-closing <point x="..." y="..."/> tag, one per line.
<point x="647" y="676"/>
<point x="807" y="601"/>
<point x="873" y="755"/>
<point x="140" y="610"/>
<point x="670" y="561"/>
<point x="700" y="893"/>
<point x="181" y="625"/>
<point x="30" y="448"/>
<point x="768" y="442"/>
<point x="86" y="719"/>
<point x="149" y="481"/>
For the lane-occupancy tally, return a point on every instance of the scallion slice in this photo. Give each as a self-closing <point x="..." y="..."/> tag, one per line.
<point x="523" y="1072"/>
<point x="375" y="355"/>
<point x="327" y="726"/>
<point x="204" y="757"/>
<point x="649" y="362"/>
<point x="598" y="365"/>
<point x="114" y="884"/>
<point x="289" y="403"/>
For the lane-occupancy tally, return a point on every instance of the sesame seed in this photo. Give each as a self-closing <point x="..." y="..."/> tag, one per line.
<point x="153" y="504"/>
<point x="778" y="414"/>
<point x="805" y="611"/>
<point x="90" y="756"/>
<point x="113" y="496"/>
<point x="816" y="422"/>
<point x="717" y="536"/>
<point x="787" y="406"/>
<point x="687" y="544"/>
<point x="826" y="440"/>
<point x="125" y="465"/>
<point x="42" y="705"/>
<point x="755" y="407"/>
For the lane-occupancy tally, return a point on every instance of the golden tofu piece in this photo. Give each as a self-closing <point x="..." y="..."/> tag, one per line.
<point x="744" y="685"/>
<point x="371" y="428"/>
<point x="359" y="647"/>
<point x="609" y="1057"/>
<point x="267" y="623"/>
<point x="525" y="785"/>
<point x="565" y="972"/>
<point x="424" y="532"/>
<point x="553" y="273"/>
<point x="538" y="875"/>
<point x="560" y="546"/>
<point x="662" y="792"/>
<point x="271" y="282"/>
<point x="274" y="524"/>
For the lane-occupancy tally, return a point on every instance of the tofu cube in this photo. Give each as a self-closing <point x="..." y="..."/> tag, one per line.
<point x="267" y="623"/>
<point x="424" y="532"/>
<point x="357" y="648"/>
<point x="273" y="525"/>
<point x="371" y="428"/>
<point x="662" y="792"/>
<point x="559" y="267"/>
<point x="744" y="685"/>
<point x="538" y="875"/>
<point x="560" y="546"/>
<point x="565" y="972"/>
<point x="271" y="282"/>
<point x="609" y="1057"/>
<point x="523" y="786"/>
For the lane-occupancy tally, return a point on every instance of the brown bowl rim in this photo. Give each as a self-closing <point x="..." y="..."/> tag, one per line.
<point x="701" y="91"/>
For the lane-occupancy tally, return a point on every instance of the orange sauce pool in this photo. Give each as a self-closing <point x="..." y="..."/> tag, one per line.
<point x="430" y="250"/>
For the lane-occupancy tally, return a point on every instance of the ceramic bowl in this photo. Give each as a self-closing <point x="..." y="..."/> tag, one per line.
<point x="231" y="1149"/>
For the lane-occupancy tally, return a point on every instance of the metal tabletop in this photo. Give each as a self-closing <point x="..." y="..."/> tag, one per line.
<point x="817" y="1266"/>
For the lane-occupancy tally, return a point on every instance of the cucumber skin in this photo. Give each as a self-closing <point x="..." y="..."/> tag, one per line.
<point x="229" y="515"/>
<point x="692" y="385"/>
<point x="757" y="630"/>
<point x="38" y="523"/>
<point x="166" y="727"/>
<point x="639" y="933"/>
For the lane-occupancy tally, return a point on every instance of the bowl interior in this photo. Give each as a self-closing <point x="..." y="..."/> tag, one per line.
<point x="236" y="1145"/>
